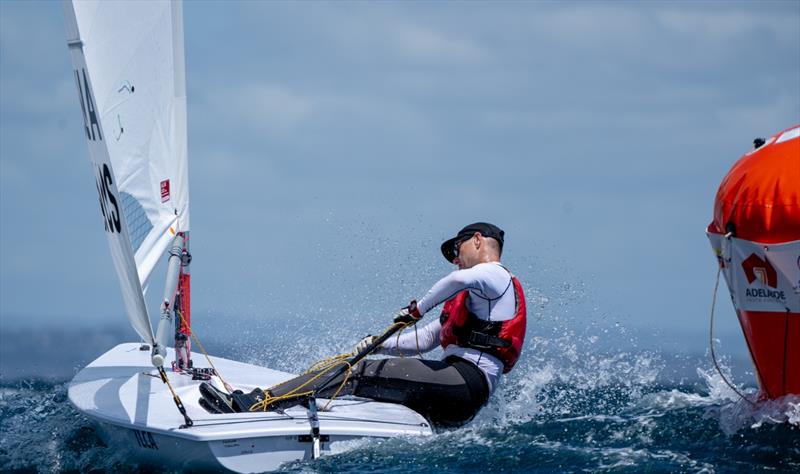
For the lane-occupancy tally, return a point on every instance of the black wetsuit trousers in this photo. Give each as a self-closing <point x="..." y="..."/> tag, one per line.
<point x="447" y="392"/>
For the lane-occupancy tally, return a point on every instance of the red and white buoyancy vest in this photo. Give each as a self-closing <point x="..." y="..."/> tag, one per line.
<point x="502" y="339"/>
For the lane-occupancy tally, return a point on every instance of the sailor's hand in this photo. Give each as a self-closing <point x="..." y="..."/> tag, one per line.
<point x="363" y="344"/>
<point x="409" y="314"/>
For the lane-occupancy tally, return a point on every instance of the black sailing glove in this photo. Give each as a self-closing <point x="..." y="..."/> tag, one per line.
<point x="409" y="314"/>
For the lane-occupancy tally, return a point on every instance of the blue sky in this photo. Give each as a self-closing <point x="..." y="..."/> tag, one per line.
<point x="333" y="146"/>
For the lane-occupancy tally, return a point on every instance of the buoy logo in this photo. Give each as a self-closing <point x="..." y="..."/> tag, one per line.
<point x="759" y="268"/>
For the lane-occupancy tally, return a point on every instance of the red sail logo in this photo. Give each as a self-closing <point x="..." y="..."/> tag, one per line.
<point x="759" y="268"/>
<point x="165" y="190"/>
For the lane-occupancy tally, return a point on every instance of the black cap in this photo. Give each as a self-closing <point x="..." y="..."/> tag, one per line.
<point x="483" y="228"/>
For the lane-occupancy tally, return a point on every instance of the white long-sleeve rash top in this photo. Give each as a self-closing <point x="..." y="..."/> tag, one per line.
<point x="491" y="298"/>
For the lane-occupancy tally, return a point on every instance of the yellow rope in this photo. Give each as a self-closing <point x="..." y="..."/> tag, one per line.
<point x="341" y="386"/>
<point x="322" y="367"/>
<point x="326" y="363"/>
<point x="208" y="358"/>
<point x="397" y="341"/>
<point x="263" y="405"/>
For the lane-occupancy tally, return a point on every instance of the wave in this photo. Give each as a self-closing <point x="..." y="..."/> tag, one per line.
<point x="598" y="413"/>
<point x="571" y="404"/>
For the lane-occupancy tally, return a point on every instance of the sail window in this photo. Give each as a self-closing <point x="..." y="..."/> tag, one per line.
<point x="138" y="223"/>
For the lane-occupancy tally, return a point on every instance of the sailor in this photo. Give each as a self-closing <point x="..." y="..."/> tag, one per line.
<point x="481" y="329"/>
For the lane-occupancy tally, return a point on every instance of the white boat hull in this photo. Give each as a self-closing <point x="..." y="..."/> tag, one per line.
<point x="135" y="413"/>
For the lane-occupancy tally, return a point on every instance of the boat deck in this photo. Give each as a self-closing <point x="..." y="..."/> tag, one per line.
<point x="121" y="387"/>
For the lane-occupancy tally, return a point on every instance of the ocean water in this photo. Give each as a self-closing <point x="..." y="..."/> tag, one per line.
<point x="566" y="408"/>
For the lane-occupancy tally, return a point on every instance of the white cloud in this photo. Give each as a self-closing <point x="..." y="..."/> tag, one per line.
<point x="721" y="24"/>
<point x="425" y="44"/>
<point x="592" y="25"/>
<point x="269" y="106"/>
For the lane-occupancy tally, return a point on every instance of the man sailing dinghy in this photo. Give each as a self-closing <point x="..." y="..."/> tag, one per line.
<point x="482" y="330"/>
<point x="128" y="66"/>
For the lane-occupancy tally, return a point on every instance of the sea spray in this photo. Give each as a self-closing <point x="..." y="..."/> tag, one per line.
<point x="583" y="397"/>
<point x="562" y="409"/>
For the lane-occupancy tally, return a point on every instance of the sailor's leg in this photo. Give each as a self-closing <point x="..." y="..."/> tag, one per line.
<point x="310" y="382"/>
<point x="287" y="394"/>
<point x="298" y="389"/>
<point x="448" y="393"/>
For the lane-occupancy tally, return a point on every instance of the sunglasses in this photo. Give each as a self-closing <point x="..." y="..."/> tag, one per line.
<point x="457" y="245"/>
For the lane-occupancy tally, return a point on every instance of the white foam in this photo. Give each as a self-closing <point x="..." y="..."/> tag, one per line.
<point x="736" y="414"/>
<point x="340" y="447"/>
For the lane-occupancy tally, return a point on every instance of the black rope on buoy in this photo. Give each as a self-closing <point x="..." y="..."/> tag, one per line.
<point x="711" y="336"/>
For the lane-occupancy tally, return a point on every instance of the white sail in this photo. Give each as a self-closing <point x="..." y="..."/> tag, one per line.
<point x="129" y="68"/>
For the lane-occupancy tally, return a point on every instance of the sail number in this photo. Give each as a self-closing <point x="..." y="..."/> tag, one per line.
<point x="87" y="107"/>
<point x="145" y="439"/>
<point x="108" y="202"/>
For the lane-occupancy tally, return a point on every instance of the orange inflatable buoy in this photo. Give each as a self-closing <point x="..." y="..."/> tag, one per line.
<point x="755" y="234"/>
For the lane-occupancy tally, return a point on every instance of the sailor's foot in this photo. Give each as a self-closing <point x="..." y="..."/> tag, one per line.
<point x="244" y="401"/>
<point x="217" y="400"/>
<point x="208" y="407"/>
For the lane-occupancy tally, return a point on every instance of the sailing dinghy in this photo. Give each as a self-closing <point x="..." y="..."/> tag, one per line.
<point x="128" y="62"/>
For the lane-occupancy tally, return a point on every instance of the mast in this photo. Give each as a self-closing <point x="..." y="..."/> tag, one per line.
<point x="183" y="320"/>
<point x="175" y="306"/>
<point x="183" y="324"/>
